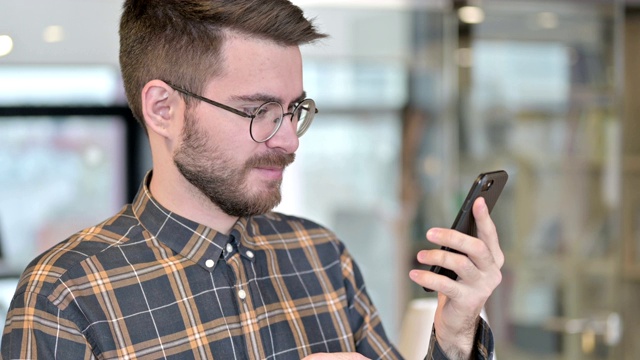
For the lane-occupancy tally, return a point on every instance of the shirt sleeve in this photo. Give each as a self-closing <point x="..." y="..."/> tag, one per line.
<point x="483" y="350"/>
<point x="36" y="329"/>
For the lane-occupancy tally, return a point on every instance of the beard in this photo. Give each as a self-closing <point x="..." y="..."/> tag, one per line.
<point x="212" y="171"/>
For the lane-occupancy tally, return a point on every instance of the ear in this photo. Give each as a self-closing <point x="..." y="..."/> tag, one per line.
<point x="160" y="107"/>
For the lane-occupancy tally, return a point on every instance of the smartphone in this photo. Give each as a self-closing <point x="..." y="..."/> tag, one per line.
<point x="488" y="185"/>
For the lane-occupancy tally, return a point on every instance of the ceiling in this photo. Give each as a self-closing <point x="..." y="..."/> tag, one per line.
<point x="88" y="28"/>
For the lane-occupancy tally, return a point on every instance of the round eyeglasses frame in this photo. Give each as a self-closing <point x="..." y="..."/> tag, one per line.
<point x="307" y="104"/>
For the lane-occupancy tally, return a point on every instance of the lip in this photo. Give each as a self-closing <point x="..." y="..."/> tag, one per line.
<point x="272" y="173"/>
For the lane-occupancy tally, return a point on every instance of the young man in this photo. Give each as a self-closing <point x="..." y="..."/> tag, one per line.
<point x="198" y="266"/>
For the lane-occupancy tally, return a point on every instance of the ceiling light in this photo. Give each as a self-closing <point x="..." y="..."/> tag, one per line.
<point x="53" y="34"/>
<point x="6" y="44"/>
<point x="471" y="14"/>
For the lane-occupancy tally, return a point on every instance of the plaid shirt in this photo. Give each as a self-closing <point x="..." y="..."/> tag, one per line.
<point x="149" y="284"/>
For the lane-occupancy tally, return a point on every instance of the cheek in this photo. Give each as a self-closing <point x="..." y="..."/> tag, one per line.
<point x="233" y="147"/>
<point x="226" y="136"/>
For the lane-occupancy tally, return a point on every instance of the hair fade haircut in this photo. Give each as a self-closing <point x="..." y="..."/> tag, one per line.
<point x="181" y="40"/>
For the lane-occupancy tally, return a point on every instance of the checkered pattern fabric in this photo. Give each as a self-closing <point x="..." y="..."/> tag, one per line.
<point x="150" y="284"/>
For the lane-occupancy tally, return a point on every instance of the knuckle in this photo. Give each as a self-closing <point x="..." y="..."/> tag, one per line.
<point x="460" y="241"/>
<point x="499" y="259"/>
<point x="498" y="278"/>
<point x="440" y="257"/>
<point x="466" y="265"/>
<point x="479" y="247"/>
<point x="450" y="289"/>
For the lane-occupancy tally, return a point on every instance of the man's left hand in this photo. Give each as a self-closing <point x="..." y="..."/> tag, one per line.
<point x="460" y="302"/>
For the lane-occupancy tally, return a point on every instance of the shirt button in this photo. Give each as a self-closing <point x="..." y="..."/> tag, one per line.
<point x="250" y="254"/>
<point x="242" y="294"/>
<point x="229" y="248"/>
<point x="209" y="263"/>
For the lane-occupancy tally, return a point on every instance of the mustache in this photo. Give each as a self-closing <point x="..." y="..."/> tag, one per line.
<point x="270" y="160"/>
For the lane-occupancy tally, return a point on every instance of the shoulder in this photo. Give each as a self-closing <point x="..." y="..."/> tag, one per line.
<point x="42" y="274"/>
<point x="277" y="230"/>
<point x="274" y="223"/>
<point x="296" y="221"/>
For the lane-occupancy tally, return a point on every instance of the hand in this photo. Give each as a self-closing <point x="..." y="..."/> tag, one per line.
<point x="335" y="356"/>
<point x="460" y="302"/>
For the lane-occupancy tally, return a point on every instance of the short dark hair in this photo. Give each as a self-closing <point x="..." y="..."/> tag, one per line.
<point x="180" y="40"/>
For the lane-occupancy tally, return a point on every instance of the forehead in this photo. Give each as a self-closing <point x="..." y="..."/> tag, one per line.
<point x="254" y="65"/>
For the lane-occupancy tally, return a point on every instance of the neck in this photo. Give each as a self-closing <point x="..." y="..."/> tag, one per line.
<point x="178" y="195"/>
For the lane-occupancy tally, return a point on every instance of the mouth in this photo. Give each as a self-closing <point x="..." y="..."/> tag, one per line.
<point x="272" y="159"/>
<point x="270" y="172"/>
<point x="271" y="165"/>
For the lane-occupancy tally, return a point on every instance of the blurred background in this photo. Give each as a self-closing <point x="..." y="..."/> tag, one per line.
<point x="416" y="98"/>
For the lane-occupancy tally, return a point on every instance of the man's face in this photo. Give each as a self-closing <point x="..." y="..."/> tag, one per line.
<point x="216" y="153"/>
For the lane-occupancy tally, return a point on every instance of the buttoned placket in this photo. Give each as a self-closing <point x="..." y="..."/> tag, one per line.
<point x="231" y="250"/>
<point x="240" y="260"/>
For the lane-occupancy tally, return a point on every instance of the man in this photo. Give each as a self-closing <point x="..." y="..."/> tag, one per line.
<point x="197" y="266"/>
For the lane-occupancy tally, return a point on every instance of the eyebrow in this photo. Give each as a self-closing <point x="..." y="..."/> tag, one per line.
<point x="260" y="97"/>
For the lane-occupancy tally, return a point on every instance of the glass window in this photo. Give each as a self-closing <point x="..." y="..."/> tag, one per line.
<point x="57" y="176"/>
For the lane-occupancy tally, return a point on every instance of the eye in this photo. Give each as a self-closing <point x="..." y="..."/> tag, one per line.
<point x="261" y="111"/>
<point x="250" y="110"/>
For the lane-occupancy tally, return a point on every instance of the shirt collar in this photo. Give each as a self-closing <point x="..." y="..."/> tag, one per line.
<point x="202" y="244"/>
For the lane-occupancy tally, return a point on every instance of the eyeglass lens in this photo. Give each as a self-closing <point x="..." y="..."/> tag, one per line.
<point x="268" y="118"/>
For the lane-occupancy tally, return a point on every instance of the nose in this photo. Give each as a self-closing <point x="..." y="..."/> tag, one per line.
<point x="286" y="137"/>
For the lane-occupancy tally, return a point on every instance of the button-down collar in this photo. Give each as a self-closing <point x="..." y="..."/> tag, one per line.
<point x="203" y="245"/>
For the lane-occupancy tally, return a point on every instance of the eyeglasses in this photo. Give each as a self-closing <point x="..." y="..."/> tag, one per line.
<point x="267" y="118"/>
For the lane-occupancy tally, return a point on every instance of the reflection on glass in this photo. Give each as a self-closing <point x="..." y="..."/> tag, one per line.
<point x="542" y="104"/>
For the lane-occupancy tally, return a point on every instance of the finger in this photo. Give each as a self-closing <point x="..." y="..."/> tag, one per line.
<point x="461" y="264"/>
<point x="473" y="286"/>
<point x="487" y="230"/>
<point x="476" y="249"/>
<point x="436" y="282"/>
<point x="456" y="240"/>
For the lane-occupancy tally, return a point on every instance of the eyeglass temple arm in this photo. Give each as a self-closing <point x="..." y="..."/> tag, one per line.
<point x="208" y="101"/>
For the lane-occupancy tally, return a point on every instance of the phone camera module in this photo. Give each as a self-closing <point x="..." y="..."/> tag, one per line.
<point x="488" y="185"/>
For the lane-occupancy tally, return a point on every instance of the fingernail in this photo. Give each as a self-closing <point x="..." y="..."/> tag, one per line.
<point x="421" y="256"/>
<point x="413" y="274"/>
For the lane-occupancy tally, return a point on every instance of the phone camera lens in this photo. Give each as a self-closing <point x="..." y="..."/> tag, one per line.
<point x="489" y="184"/>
